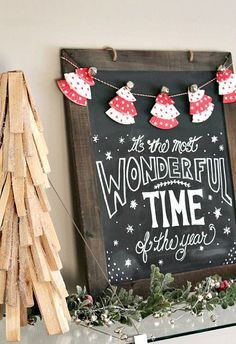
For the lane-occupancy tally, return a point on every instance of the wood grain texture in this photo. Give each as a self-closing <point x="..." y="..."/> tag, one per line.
<point x="83" y="167"/>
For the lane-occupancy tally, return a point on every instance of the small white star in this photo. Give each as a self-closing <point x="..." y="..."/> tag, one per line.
<point x="214" y="139"/>
<point x="217" y="213"/>
<point x="128" y="262"/>
<point x="210" y="197"/>
<point x="221" y="148"/>
<point x="201" y="248"/>
<point x="121" y="140"/>
<point x="108" y="156"/>
<point x="130" y="229"/>
<point x="115" y="242"/>
<point x="133" y="204"/>
<point x="227" y="230"/>
<point x="160" y="262"/>
<point x="95" y="138"/>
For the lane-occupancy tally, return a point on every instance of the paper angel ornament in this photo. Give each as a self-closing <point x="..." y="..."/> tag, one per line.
<point x="76" y="86"/>
<point x="122" y="109"/>
<point x="201" y="106"/>
<point x="227" y="84"/>
<point x="164" y="112"/>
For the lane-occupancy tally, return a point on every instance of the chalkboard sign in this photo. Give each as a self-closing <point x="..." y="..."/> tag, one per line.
<point x="150" y="196"/>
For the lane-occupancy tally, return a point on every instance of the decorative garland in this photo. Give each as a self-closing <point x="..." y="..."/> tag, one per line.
<point x="76" y="87"/>
<point x="164" y="299"/>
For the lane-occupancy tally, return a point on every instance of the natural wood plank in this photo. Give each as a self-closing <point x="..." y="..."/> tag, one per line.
<point x="12" y="273"/>
<point x="3" y="98"/>
<point x="35" y="168"/>
<point x="4" y="197"/>
<point x="53" y="258"/>
<point x="3" y="276"/>
<point x="44" y="300"/>
<point x="40" y="261"/>
<point x="28" y="142"/>
<point x="33" y="107"/>
<point x="39" y="142"/>
<point x="23" y="315"/>
<point x="18" y="192"/>
<point x="33" y="208"/>
<point x="19" y="159"/>
<point x="48" y="227"/>
<point x="43" y="198"/>
<point x="7" y="232"/>
<point x="24" y="231"/>
<point x="13" y="321"/>
<point x="15" y="89"/>
<point x="25" y="283"/>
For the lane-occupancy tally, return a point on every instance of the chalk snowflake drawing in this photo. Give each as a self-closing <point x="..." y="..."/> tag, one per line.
<point x="217" y="213"/>
<point x="214" y="139"/>
<point x="201" y="248"/>
<point x="130" y="229"/>
<point x="128" y="262"/>
<point x="160" y="262"/>
<point x="121" y="140"/>
<point x="108" y="156"/>
<point x="227" y="230"/>
<point x="95" y="138"/>
<point x="210" y="197"/>
<point x="115" y="242"/>
<point x="133" y="204"/>
<point x="221" y="148"/>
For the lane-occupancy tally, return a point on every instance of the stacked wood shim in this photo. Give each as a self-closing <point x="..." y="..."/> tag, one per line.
<point x="29" y="261"/>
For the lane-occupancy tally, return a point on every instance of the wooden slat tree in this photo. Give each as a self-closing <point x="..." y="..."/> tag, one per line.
<point x="29" y="261"/>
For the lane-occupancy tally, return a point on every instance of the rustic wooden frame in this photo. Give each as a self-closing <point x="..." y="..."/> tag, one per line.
<point x="83" y="171"/>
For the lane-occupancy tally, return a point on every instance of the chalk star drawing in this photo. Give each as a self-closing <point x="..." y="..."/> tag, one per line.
<point x="210" y="197"/>
<point x="121" y="140"/>
<point x="221" y="148"/>
<point x="128" y="262"/>
<point x="108" y="156"/>
<point x="130" y="229"/>
<point x="160" y="262"/>
<point x="227" y="230"/>
<point x="115" y="242"/>
<point x="214" y="139"/>
<point x="133" y="204"/>
<point x="201" y="248"/>
<point x="95" y="138"/>
<point x="217" y="213"/>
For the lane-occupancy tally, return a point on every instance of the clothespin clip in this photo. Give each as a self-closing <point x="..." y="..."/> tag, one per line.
<point x="165" y="90"/>
<point x="193" y="88"/>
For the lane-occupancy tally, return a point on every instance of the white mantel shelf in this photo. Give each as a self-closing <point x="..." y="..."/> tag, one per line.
<point x="185" y="329"/>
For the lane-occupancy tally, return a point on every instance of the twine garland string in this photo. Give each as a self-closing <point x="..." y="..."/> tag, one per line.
<point x="143" y="94"/>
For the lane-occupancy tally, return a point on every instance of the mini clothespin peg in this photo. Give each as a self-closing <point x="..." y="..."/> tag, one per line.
<point x="92" y="71"/>
<point x="221" y="68"/>
<point x="165" y="90"/>
<point x="193" y="88"/>
<point x="130" y="85"/>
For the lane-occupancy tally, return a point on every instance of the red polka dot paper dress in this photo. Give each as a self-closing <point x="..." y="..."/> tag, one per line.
<point x="164" y="112"/>
<point x="122" y="108"/>
<point x="227" y="85"/>
<point x="76" y="86"/>
<point x="200" y="107"/>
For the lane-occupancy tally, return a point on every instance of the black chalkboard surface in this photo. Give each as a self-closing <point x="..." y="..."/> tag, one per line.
<point x="166" y="195"/>
<point x="149" y="196"/>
